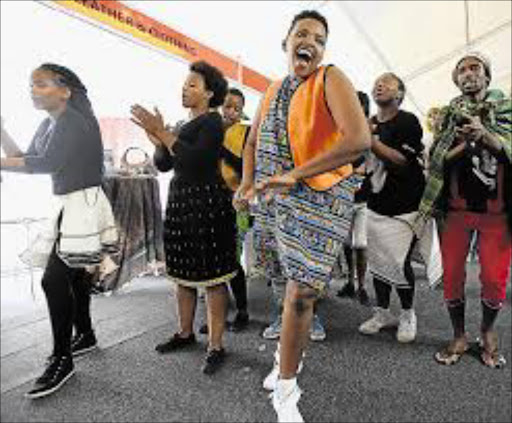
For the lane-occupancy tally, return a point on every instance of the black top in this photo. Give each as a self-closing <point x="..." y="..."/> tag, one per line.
<point x="404" y="185"/>
<point x="70" y="150"/>
<point x="197" y="149"/>
<point x="361" y="195"/>
<point x="476" y="180"/>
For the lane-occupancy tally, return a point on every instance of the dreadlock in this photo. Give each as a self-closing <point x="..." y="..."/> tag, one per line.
<point x="67" y="78"/>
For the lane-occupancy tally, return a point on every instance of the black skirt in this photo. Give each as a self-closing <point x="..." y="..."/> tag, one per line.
<point x="200" y="233"/>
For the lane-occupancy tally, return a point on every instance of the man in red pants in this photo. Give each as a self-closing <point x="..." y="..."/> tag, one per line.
<point x="470" y="175"/>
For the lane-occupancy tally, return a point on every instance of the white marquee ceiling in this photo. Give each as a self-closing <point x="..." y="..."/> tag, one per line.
<point x="419" y="40"/>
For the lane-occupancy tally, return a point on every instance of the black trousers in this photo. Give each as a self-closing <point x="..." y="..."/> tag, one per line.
<point x="406" y="295"/>
<point x="239" y="287"/>
<point x="68" y="296"/>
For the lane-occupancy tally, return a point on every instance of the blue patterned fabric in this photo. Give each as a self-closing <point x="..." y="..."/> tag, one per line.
<point x="298" y="234"/>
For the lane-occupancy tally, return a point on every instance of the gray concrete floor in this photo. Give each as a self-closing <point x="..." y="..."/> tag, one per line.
<point x="347" y="378"/>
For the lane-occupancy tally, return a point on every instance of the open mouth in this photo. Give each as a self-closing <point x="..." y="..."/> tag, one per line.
<point x="304" y="56"/>
<point x="468" y="83"/>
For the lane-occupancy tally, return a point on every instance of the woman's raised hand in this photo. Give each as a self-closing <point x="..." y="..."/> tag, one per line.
<point x="152" y="123"/>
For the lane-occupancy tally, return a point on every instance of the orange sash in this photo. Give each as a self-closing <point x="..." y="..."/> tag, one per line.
<point x="311" y="128"/>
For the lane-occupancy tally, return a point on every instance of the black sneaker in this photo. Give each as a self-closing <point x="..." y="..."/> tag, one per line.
<point x="176" y="343"/>
<point x="83" y="343"/>
<point x="240" y="322"/>
<point x="203" y="329"/>
<point x="347" y="291"/>
<point x="213" y="361"/>
<point x="59" y="370"/>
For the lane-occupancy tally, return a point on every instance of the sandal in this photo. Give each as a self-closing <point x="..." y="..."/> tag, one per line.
<point x="489" y="354"/>
<point x="452" y="353"/>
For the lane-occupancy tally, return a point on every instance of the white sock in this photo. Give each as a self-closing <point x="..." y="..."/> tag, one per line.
<point x="286" y="386"/>
<point x="277" y="354"/>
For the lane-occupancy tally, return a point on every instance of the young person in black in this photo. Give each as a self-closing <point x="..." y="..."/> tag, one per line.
<point x="200" y="224"/>
<point x="355" y="249"/>
<point x="68" y="146"/>
<point x="397" y="183"/>
<point x="235" y="135"/>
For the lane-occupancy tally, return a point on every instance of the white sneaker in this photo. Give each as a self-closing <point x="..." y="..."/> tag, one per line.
<point x="286" y="405"/>
<point x="273" y="331"/>
<point x="317" y="331"/>
<point x="381" y="319"/>
<point x="270" y="381"/>
<point x="407" y="326"/>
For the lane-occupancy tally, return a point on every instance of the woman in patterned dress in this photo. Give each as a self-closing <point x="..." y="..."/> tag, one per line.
<point x="307" y="131"/>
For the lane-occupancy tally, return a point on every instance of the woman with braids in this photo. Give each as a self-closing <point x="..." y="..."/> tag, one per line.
<point x="68" y="146"/>
<point x="308" y="129"/>
<point x="200" y="225"/>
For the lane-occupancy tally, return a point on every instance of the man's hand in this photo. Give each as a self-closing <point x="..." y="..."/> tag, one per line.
<point x="473" y="131"/>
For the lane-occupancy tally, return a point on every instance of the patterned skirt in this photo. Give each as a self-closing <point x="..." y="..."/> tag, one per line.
<point x="200" y="233"/>
<point x="299" y="236"/>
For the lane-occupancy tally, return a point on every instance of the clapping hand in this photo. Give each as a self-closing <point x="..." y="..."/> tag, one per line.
<point x="152" y="123"/>
<point x="473" y="131"/>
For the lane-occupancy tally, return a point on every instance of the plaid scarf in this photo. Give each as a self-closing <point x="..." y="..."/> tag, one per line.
<point x="495" y="112"/>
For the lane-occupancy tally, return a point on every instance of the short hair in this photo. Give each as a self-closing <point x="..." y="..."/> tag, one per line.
<point x="238" y="93"/>
<point x="309" y="14"/>
<point x="401" y="85"/>
<point x="214" y="81"/>
<point x="365" y="102"/>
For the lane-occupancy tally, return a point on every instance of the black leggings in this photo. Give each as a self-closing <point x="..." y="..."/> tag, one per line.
<point x="406" y="295"/>
<point x="239" y="287"/>
<point x="383" y="294"/>
<point x="67" y="293"/>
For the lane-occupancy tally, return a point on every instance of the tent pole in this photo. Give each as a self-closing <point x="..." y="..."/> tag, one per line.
<point x="466" y="21"/>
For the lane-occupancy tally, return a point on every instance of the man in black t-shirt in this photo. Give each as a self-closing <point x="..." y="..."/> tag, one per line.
<point x="396" y="183"/>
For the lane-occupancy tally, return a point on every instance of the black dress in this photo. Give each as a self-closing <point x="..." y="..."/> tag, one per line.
<point x="200" y="222"/>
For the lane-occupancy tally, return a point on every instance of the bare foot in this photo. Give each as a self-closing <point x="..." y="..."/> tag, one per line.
<point x="452" y="353"/>
<point x="489" y="351"/>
